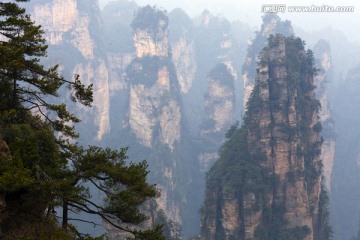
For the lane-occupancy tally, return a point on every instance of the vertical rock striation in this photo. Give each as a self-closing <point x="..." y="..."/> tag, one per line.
<point x="272" y="24"/>
<point x="323" y="63"/>
<point x="267" y="182"/>
<point x="182" y="48"/>
<point x="154" y="109"/>
<point x="155" y="127"/>
<point x="154" y="105"/>
<point x="71" y="29"/>
<point x="151" y="33"/>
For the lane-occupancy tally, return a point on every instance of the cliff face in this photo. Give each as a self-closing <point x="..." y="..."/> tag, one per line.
<point x="154" y="126"/>
<point x="272" y="24"/>
<point x="323" y="63"/>
<point x="184" y="60"/>
<point x="71" y="29"/>
<point x="154" y="104"/>
<point x="267" y="182"/>
<point x="151" y="34"/>
<point x="154" y="111"/>
<point x="182" y="48"/>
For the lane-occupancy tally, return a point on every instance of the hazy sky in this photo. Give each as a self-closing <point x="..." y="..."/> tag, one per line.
<point x="250" y="12"/>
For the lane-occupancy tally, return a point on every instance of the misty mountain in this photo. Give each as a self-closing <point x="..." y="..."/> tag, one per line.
<point x="170" y="86"/>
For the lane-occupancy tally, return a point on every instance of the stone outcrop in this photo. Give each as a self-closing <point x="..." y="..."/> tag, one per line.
<point x="151" y="34"/>
<point x="272" y="24"/>
<point x="153" y="109"/>
<point x="182" y="48"/>
<point x="58" y="17"/>
<point x="322" y="55"/>
<point x="183" y="56"/>
<point x="267" y="182"/>
<point x="154" y="122"/>
<point x="69" y="27"/>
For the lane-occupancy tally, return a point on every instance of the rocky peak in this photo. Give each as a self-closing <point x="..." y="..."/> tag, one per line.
<point x="272" y="24"/>
<point x="151" y="34"/>
<point x="267" y="182"/>
<point x="154" y="105"/>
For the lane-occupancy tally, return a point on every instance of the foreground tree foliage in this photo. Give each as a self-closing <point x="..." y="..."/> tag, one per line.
<point x="41" y="167"/>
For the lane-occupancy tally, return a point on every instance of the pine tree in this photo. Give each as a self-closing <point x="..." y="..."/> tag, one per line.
<point x="42" y="168"/>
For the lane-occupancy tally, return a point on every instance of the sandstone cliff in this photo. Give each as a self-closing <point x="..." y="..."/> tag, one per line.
<point x="267" y="182"/>
<point x="181" y="39"/>
<point x="154" y="109"/>
<point x="322" y="79"/>
<point x="151" y="35"/>
<point x="154" y="125"/>
<point x="72" y="30"/>
<point x="272" y="24"/>
<point x="154" y="104"/>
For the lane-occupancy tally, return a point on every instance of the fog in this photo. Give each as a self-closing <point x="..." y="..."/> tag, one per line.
<point x="340" y="29"/>
<point x="251" y="12"/>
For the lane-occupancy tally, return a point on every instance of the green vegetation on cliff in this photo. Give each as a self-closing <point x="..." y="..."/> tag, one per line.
<point x="258" y="167"/>
<point x="150" y="19"/>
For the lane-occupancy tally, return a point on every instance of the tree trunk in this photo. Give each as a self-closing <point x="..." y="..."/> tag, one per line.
<point x="65" y="215"/>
